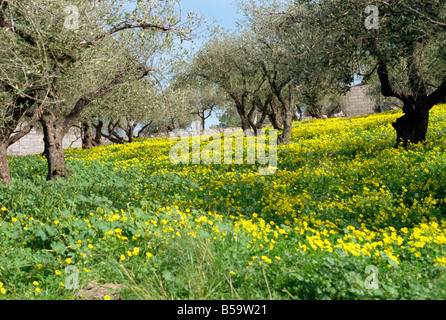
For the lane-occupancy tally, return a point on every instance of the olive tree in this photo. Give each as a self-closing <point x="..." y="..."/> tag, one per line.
<point x="98" y="44"/>
<point x="25" y="76"/>
<point x="401" y="41"/>
<point x="222" y="61"/>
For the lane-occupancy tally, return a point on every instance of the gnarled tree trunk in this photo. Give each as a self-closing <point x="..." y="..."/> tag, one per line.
<point x="244" y="116"/>
<point x="288" y="106"/>
<point x="275" y="116"/>
<point x="98" y="133"/>
<point x="5" y="175"/>
<point x="130" y="131"/>
<point x="262" y="107"/>
<point x="53" y="140"/>
<point x="87" y="136"/>
<point x="315" y="111"/>
<point x="412" y="126"/>
<point x="246" y="125"/>
<point x="130" y="134"/>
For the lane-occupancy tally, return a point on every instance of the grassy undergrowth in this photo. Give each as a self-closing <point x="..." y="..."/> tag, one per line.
<point x="342" y="199"/>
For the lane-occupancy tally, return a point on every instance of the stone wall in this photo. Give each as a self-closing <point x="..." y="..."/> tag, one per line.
<point x="358" y="102"/>
<point x="32" y="143"/>
<point x="193" y="133"/>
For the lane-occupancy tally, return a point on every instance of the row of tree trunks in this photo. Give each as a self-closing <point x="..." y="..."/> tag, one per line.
<point x="89" y="140"/>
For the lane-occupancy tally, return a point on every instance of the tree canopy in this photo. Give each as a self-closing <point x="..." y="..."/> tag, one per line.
<point x="114" y="68"/>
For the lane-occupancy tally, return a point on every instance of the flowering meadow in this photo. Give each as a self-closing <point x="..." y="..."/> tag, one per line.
<point x="342" y="202"/>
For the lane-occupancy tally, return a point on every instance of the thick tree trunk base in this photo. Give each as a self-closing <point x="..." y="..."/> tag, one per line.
<point x="411" y="128"/>
<point x="87" y="136"/>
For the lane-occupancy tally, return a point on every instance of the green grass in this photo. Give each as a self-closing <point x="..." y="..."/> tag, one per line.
<point x="342" y="199"/>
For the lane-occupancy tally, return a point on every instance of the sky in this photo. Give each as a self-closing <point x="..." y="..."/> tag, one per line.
<point x="215" y="12"/>
<point x="224" y="12"/>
